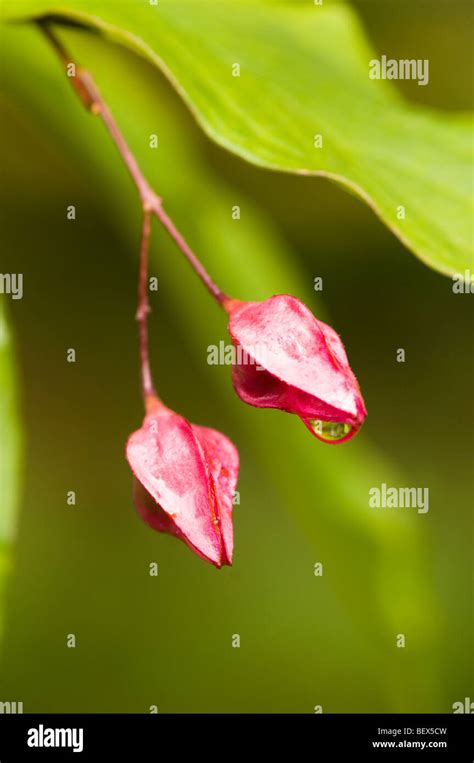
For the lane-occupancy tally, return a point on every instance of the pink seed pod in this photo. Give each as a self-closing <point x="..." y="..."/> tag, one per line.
<point x="185" y="478"/>
<point x="288" y="359"/>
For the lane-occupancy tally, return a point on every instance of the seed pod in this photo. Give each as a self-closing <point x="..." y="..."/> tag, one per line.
<point x="288" y="359"/>
<point x="185" y="478"/>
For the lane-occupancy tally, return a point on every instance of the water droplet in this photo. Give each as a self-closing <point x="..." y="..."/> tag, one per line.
<point x="331" y="431"/>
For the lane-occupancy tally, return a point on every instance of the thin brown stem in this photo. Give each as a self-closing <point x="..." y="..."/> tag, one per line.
<point x="90" y="96"/>
<point x="177" y="237"/>
<point x="143" y="309"/>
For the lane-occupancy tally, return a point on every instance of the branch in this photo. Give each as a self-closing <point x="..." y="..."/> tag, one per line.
<point x="149" y="395"/>
<point x="90" y="96"/>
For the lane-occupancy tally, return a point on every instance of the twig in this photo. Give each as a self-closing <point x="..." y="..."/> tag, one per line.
<point x="143" y="309"/>
<point x="88" y="92"/>
<point x="90" y="96"/>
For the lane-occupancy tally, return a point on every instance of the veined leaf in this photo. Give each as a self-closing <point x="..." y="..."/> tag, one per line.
<point x="304" y="72"/>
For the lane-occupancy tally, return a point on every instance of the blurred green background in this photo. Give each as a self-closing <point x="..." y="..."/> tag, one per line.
<point x="83" y="569"/>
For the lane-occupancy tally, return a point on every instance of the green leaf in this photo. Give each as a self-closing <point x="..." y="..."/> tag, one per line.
<point x="304" y="71"/>
<point x="9" y="454"/>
